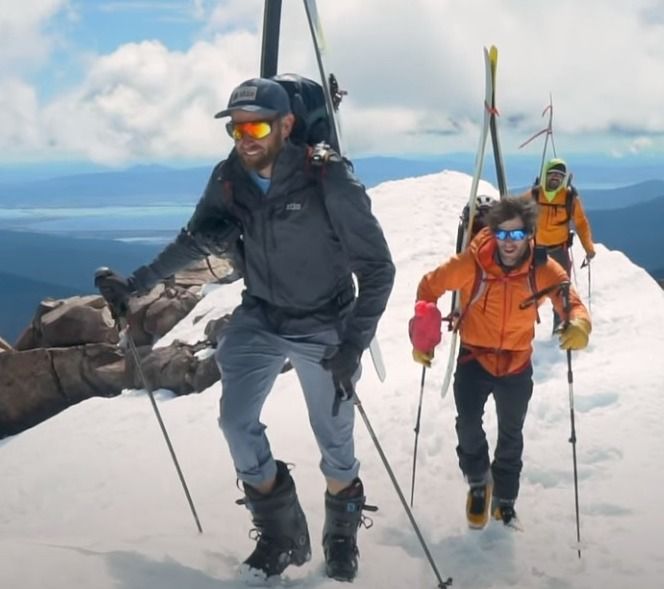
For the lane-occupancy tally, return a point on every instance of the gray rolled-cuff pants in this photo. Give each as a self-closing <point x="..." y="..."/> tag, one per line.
<point x="250" y="356"/>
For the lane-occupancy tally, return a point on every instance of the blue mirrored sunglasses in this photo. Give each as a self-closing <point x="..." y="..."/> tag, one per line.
<point x="512" y="234"/>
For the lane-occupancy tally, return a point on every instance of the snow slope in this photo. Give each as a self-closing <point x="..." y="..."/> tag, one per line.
<point x="90" y="498"/>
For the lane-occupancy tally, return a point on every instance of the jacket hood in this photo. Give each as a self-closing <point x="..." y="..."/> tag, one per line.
<point x="558" y="164"/>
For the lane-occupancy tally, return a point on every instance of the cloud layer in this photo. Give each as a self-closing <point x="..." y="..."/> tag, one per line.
<point x="414" y="72"/>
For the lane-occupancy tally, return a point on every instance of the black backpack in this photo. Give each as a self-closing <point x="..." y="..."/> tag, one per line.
<point x="312" y="122"/>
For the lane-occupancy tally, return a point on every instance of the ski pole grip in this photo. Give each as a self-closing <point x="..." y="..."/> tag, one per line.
<point x="102" y="272"/>
<point x="118" y="309"/>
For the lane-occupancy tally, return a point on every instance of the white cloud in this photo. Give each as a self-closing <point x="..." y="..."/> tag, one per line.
<point x="19" y="117"/>
<point x="25" y="43"/>
<point x="601" y="60"/>
<point x="414" y="73"/>
<point x="228" y="15"/>
<point x="143" y="101"/>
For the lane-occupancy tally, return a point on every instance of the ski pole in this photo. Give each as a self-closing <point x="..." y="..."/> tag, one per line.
<point x="547" y="132"/>
<point x="586" y="262"/>
<point x="441" y="584"/>
<point x="417" y="434"/>
<point x="122" y="323"/>
<point x="590" y="292"/>
<point x="572" y="439"/>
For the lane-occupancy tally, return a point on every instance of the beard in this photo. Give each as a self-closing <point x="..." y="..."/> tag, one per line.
<point x="515" y="259"/>
<point x="262" y="155"/>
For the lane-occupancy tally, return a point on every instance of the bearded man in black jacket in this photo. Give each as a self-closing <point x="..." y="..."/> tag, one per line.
<point x="301" y="227"/>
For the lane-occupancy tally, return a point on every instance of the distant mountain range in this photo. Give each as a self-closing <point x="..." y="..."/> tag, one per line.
<point x="68" y="262"/>
<point x="141" y="185"/>
<point x="617" y="198"/>
<point x="34" y="266"/>
<point x="635" y="230"/>
<point x="153" y="185"/>
<point x="19" y="298"/>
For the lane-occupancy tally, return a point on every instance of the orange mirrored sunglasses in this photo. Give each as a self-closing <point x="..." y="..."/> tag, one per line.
<point x="251" y="129"/>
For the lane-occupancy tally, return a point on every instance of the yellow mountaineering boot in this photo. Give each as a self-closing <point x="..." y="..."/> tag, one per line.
<point x="478" y="502"/>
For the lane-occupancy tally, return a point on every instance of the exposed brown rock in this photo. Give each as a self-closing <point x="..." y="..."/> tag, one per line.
<point x="174" y="367"/>
<point x="68" y="353"/>
<point x="165" y="312"/>
<point x="37" y="384"/>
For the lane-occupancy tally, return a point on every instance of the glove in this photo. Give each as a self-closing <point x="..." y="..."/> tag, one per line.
<point x="590" y="255"/>
<point x="423" y="358"/>
<point x="424" y="331"/>
<point x="343" y="365"/>
<point x="115" y="289"/>
<point x="574" y="336"/>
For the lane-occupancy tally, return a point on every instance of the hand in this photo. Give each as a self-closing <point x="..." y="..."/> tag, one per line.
<point x="423" y="358"/>
<point x="424" y="331"/>
<point x="574" y="336"/>
<point x="590" y="255"/>
<point x="115" y="289"/>
<point x="343" y="365"/>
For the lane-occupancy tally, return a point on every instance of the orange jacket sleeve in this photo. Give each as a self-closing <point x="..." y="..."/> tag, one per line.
<point x="458" y="272"/>
<point x="582" y="226"/>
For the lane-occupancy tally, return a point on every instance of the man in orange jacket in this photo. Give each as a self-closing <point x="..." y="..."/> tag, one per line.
<point x="500" y="285"/>
<point x="559" y="206"/>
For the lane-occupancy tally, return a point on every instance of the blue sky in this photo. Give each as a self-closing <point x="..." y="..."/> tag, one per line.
<point x="121" y="82"/>
<point x="99" y="27"/>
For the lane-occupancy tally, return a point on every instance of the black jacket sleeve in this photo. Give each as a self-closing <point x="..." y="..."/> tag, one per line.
<point x="361" y="236"/>
<point x="210" y="230"/>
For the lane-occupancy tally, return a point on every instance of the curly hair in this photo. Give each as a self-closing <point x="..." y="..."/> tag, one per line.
<point x="509" y="208"/>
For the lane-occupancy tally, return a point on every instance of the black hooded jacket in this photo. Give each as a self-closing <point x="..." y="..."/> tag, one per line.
<point x="301" y="243"/>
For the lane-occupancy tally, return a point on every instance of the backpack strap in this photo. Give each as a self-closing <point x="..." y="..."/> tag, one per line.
<point x="540" y="258"/>
<point x="534" y="190"/>
<point x="569" y="201"/>
<point x="570" y="195"/>
<point x="476" y="292"/>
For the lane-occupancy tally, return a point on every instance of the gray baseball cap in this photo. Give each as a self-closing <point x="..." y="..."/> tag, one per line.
<point x="258" y="95"/>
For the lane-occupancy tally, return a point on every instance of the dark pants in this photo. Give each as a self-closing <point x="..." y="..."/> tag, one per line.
<point x="472" y="387"/>
<point x="561" y="255"/>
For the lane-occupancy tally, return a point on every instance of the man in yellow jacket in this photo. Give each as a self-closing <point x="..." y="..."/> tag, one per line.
<point x="559" y="207"/>
<point x="500" y="285"/>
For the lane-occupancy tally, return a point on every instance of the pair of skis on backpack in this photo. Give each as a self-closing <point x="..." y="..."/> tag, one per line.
<point x="468" y="217"/>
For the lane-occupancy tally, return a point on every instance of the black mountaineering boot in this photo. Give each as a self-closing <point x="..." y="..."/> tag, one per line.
<point x="343" y="516"/>
<point x="280" y="528"/>
<point x="503" y="510"/>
